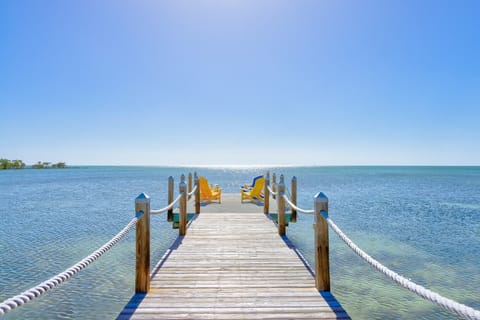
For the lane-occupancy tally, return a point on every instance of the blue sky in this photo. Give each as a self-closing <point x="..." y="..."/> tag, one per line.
<point x="240" y="82"/>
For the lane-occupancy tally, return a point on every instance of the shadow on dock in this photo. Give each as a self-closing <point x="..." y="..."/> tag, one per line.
<point x="132" y="305"/>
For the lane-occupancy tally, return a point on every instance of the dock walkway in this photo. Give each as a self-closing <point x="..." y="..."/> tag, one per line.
<point x="232" y="264"/>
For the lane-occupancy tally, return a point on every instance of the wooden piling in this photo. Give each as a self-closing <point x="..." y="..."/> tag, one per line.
<point x="170" y="198"/>
<point x="293" y="215"/>
<point x="281" y="206"/>
<point x="322" y="263"/>
<point x="197" y="195"/>
<point x="189" y="185"/>
<point x="142" y="264"/>
<point x="182" y="223"/>
<point x="266" y="193"/>
<point x="274" y="184"/>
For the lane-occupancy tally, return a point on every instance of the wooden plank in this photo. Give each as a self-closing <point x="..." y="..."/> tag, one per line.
<point x="253" y="316"/>
<point x="232" y="264"/>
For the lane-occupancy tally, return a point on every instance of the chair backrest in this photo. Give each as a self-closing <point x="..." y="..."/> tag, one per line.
<point x="258" y="187"/>
<point x="204" y="187"/>
<point x="255" y="180"/>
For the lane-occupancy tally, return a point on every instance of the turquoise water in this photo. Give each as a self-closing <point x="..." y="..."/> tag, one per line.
<point x="423" y="222"/>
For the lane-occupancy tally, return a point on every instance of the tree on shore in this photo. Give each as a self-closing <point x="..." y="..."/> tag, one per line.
<point x="59" y="165"/>
<point x="11" y="164"/>
<point x="49" y="165"/>
<point x="38" y="165"/>
<point x="19" y="164"/>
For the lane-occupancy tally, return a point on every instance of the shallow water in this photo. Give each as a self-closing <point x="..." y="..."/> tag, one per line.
<point x="423" y="222"/>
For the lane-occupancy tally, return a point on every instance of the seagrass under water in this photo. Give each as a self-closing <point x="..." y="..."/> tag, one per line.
<point x="421" y="221"/>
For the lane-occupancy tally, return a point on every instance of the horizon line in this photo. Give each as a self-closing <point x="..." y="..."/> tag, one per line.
<point x="253" y="166"/>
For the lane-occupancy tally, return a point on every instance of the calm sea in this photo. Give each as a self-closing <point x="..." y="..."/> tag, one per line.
<point x="423" y="222"/>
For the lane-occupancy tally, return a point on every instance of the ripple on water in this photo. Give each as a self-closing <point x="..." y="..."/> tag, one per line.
<point x="411" y="219"/>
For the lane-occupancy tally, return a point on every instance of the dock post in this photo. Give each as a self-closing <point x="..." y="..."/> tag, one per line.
<point x="266" y="194"/>
<point x="197" y="195"/>
<point x="293" y="216"/>
<point x="274" y="184"/>
<point x="281" y="206"/>
<point x="182" y="221"/>
<point x="170" y="198"/>
<point x="189" y="184"/>
<point x="142" y="240"/>
<point x="322" y="263"/>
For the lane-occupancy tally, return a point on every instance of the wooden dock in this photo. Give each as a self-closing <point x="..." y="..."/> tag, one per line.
<point x="232" y="264"/>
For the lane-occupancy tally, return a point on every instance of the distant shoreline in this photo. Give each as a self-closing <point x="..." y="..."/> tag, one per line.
<point x="31" y="168"/>
<point x="6" y="164"/>
<point x="239" y="167"/>
<point x="276" y="166"/>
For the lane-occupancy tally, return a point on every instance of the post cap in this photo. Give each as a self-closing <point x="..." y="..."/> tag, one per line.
<point x="142" y="198"/>
<point x="282" y="178"/>
<point x="182" y="185"/>
<point x="294" y="178"/>
<point x="170" y="178"/>
<point x="182" y="177"/>
<point x="320" y="198"/>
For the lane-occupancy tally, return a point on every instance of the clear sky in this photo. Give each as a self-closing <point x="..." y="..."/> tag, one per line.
<point x="240" y="82"/>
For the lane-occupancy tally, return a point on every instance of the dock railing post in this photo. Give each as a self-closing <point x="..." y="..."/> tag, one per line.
<point x="322" y="263"/>
<point x="281" y="206"/>
<point x="266" y="194"/>
<point x="182" y="221"/>
<point x="274" y="184"/>
<point x="197" y="195"/>
<point x="142" y="240"/>
<point x="170" y="198"/>
<point x="293" y="216"/>
<point x="189" y="184"/>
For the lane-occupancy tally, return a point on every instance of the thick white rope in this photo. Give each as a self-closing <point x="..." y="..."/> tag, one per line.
<point x="271" y="191"/>
<point x="450" y="305"/>
<point x="170" y="206"/>
<point x="297" y="208"/>
<point x="29" y="295"/>
<point x="287" y="192"/>
<point x="193" y="191"/>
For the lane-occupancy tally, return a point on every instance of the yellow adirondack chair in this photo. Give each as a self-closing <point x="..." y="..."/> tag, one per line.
<point x="255" y="193"/>
<point x="209" y="192"/>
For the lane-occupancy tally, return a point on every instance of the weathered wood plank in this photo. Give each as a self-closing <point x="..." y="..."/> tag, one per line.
<point x="253" y="316"/>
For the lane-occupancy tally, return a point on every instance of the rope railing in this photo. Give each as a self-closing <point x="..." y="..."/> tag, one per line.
<point x="32" y="293"/>
<point x="142" y="209"/>
<point x="295" y="207"/>
<point x="170" y="206"/>
<point x="271" y="191"/>
<point x="174" y="202"/>
<point x="448" y="304"/>
<point x="191" y="193"/>
<point x="287" y="192"/>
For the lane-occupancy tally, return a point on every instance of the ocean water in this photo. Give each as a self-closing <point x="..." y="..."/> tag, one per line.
<point x="423" y="222"/>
